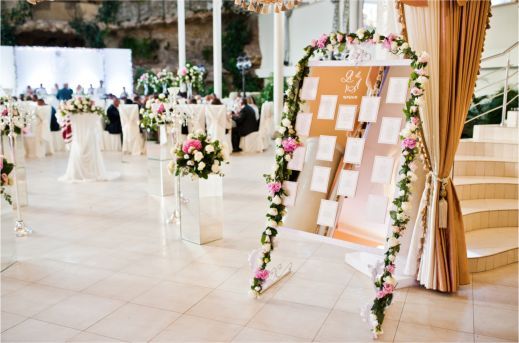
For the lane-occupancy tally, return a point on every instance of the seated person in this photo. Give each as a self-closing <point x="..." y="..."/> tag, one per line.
<point x="245" y="123"/>
<point x="114" y="119"/>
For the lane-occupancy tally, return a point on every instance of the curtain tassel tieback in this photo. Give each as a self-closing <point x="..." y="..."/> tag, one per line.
<point x="443" y="206"/>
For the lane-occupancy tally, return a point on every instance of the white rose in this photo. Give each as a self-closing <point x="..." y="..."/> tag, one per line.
<point x="190" y="163"/>
<point x="278" y="141"/>
<point x="394" y="46"/>
<point x="360" y="33"/>
<point x="405" y="132"/>
<point x="413" y="108"/>
<point x="288" y="157"/>
<point x="273" y="212"/>
<point x="419" y="101"/>
<point x="276" y="200"/>
<point x="209" y="148"/>
<point x="329" y="47"/>
<point x="390" y="280"/>
<point x="198" y="156"/>
<point x="266" y="247"/>
<point x="391" y="258"/>
<point x="272" y="223"/>
<point x="406" y="206"/>
<point x="405" y="46"/>
<point x="286" y="122"/>
<point x="268" y="232"/>
<point x="392" y="242"/>
<point x="257" y="288"/>
<point x="376" y="38"/>
<point x="201" y="166"/>
<point x="422" y="79"/>
<point x="186" y="156"/>
<point x="282" y="129"/>
<point x="215" y="168"/>
<point x="280" y="151"/>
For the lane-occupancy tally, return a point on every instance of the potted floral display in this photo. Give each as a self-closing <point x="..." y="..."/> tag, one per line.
<point x="190" y="77"/>
<point x="5" y="180"/>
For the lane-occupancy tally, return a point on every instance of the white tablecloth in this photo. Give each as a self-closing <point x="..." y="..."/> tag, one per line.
<point x="85" y="161"/>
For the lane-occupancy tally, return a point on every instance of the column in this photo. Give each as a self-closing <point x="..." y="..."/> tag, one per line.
<point x="341" y="16"/>
<point x="354" y="15"/>
<point x="181" y="20"/>
<point x="217" y="47"/>
<point x="279" y="52"/>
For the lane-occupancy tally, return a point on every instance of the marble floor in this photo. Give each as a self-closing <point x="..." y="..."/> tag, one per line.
<point x="102" y="266"/>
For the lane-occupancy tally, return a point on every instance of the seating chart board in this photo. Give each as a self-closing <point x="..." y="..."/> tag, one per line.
<point x="350" y="129"/>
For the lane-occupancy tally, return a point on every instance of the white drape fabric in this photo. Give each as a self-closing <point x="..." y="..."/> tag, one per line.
<point x="387" y="17"/>
<point x="85" y="161"/>
<point x="216" y="120"/>
<point x="260" y="140"/>
<point x="423" y="31"/>
<point x="133" y="142"/>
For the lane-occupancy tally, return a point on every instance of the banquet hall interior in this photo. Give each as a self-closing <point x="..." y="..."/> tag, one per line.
<point x="259" y="170"/>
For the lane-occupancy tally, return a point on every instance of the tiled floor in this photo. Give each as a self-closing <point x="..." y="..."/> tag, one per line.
<point x="103" y="266"/>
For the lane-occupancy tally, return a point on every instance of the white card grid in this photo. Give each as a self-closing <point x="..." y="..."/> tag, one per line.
<point x="309" y="89"/>
<point x="326" y="148"/>
<point x="290" y="188"/>
<point x="346" y="117"/>
<point x="397" y="90"/>
<point x="354" y="150"/>
<point x="320" y="178"/>
<point x="369" y="109"/>
<point x="376" y="208"/>
<point x="303" y="123"/>
<point x="348" y="183"/>
<point x="382" y="169"/>
<point x="298" y="159"/>
<point x="327" y="107"/>
<point x="327" y="213"/>
<point x="389" y="130"/>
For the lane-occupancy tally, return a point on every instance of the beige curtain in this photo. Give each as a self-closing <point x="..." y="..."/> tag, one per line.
<point x="453" y="33"/>
<point x="462" y="34"/>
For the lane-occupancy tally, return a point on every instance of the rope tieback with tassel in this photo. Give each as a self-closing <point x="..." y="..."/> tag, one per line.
<point x="443" y="206"/>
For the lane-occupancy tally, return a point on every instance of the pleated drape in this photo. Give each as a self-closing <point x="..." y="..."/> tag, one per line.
<point x="462" y="34"/>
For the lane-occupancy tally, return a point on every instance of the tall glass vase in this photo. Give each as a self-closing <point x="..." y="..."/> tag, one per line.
<point x="7" y="238"/>
<point x="21" y="172"/>
<point x="189" y="90"/>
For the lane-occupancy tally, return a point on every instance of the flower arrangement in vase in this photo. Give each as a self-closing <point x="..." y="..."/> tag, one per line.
<point x="5" y="169"/>
<point x="199" y="156"/>
<point x="149" y="83"/>
<point x="166" y="79"/>
<point x="156" y="112"/>
<point x="20" y="115"/>
<point x="80" y="105"/>
<point x="191" y="76"/>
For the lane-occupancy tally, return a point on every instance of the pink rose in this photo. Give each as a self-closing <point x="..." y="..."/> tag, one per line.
<point x="262" y="274"/>
<point x="339" y="37"/>
<point x="313" y="43"/>
<point x="5" y="112"/>
<point x="289" y="144"/>
<point x="349" y="39"/>
<point x="424" y="57"/>
<point x="321" y="42"/>
<point x="5" y="178"/>
<point x="391" y="268"/>
<point x="195" y="144"/>
<point x="415" y="120"/>
<point x="381" y="294"/>
<point x="388" y="40"/>
<point x="416" y="91"/>
<point x="409" y="143"/>
<point x="388" y="288"/>
<point x="161" y="108"/>
<point x="274" y="187"/>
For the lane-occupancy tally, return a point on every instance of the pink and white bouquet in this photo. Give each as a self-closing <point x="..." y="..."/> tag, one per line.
<point x="199" y="156"/>
<point x="5" y="180"/>
<point x="190" y="74"/>
<point x="80" y="105"/>
<point x="20" y="114"/>
<point x="156" y="112"/>
<point x="149" y="82"/>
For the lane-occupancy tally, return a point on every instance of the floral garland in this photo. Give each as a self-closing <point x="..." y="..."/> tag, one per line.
<point x="190" y="74"/>
<point x="199" y="156"/>
<point x="341" y="45"/>
<point x="5" y="169"/>
<point x="156" y="113"/>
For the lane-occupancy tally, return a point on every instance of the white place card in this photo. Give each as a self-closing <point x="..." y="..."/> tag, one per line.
<point x="369" y="109"/>
<point x="354" y="150"/>
<point x="346" y="117"/>
<point x="298" y="159"/>
<point x="348" y="183"/>
<point x="291" y="188"/>
<point x="389" y="130"/>
<point x="309" y="89"/>
<point x="376" y="208"/>
<point x="382" y="169"/>
<point x="326" y="148"/>
<point x="303" y="123"/>
<point x="320" y="178"/>
<point x="327" y="107"/>
<point x="397" y="90"/>
<point x="327" y="213"/>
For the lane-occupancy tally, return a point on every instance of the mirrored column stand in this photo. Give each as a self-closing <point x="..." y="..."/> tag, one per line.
<point x="20" y="228"/>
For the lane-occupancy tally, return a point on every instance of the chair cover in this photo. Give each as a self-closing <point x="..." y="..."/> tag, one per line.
<point x="133" y="143"/>
<point x="267" y="123"/>
<point x="216" y="119"/>
<point x="44" y="113"/>
<point x="111" y="142"/>
<point x="85" y="161"/>
<point x="198" y="121"/>
<point x="260" y="140"/>
<point x="57" y="141"/>
<point x="37" y="139"/>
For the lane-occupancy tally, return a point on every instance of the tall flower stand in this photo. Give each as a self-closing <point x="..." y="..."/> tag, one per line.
<point x="21" y="170"/>
<point x="201" y="219"/>
<point x="160" y="182"/>
<point x="7" y="238"/>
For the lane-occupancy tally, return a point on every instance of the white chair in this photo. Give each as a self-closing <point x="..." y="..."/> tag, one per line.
<point x="216" y="119"/>
<point x="133" y="142"/>
<point x="260" y="140"/>
<point x="267" y="123"/>
<point x="198" y="121"/>
<point x="38" y="134"/>
<point x="46" y="143"/>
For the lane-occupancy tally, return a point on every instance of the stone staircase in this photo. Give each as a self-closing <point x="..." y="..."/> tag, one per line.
<point x="486" y="180"/>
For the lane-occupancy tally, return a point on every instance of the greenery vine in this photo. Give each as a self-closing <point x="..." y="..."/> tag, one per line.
<point x="11" y="18"/>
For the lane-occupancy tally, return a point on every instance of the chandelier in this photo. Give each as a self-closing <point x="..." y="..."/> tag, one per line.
<point x="266" y="6"/>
